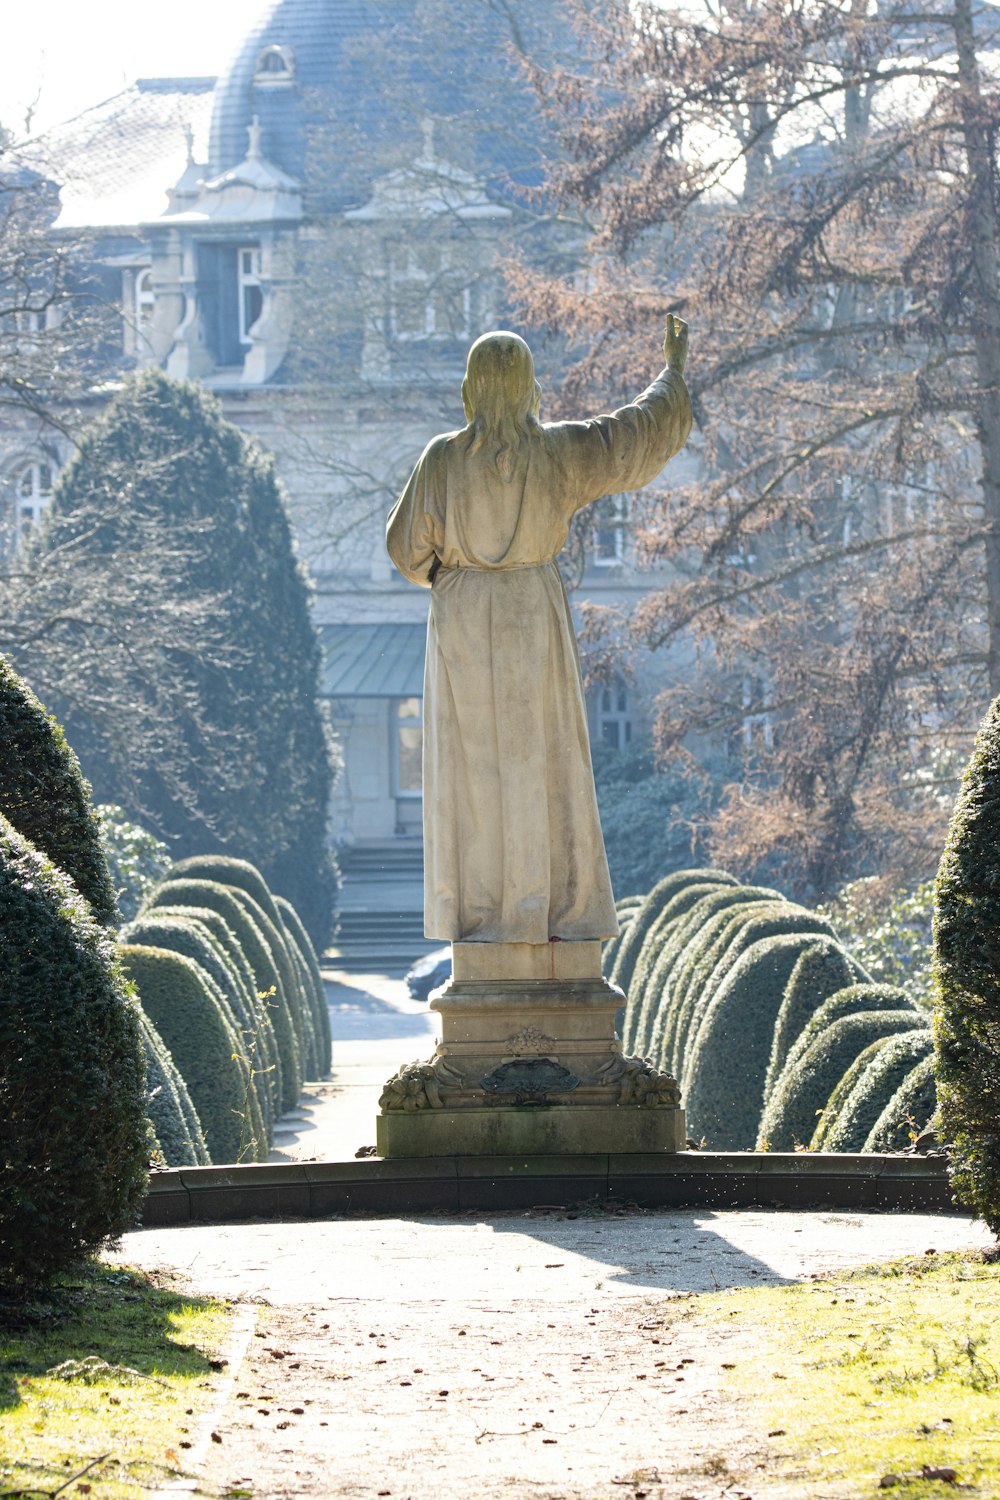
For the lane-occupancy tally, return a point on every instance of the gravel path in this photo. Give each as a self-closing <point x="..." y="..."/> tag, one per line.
<point x="521" y="1354"/>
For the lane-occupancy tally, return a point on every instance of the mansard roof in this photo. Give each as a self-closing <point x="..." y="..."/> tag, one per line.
<point x="116" y="161"/>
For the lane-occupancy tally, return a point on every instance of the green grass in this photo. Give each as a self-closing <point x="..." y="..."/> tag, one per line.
<point x="886" y="1370"/>
<point x="138" y="1417"/>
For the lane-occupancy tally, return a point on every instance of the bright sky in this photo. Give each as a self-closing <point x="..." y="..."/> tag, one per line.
<point x="74" y="53"/>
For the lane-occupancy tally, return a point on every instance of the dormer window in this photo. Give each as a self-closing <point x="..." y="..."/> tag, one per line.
<point x="251" y="296"/>
<point x="274" y="65"/>
<point x="427" y="297"/>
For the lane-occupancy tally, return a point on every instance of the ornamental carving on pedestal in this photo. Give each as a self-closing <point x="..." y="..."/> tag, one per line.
<point x="639" y="1084"/>
<point x="529" y="1039"/>
<point x="418" y="1086"/>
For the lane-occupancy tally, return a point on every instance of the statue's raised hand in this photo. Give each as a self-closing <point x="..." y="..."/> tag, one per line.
<point x="675" y="343"/>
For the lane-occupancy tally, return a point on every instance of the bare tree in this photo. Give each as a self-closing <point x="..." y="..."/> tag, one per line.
<point x="813" y="183"/>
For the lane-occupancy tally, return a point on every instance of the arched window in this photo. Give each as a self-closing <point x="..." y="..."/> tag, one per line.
<point x="29" y="495"/>
<point x="274" y="65"/>
<point x="251" y="296"/>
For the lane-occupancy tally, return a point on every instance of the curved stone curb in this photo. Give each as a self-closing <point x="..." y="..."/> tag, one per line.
<point x="689" y="1179"/>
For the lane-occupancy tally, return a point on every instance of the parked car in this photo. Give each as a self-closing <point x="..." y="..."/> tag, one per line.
<point x="429" y="972"/>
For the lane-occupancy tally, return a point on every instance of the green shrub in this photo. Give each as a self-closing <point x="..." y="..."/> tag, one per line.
<point x="650" y="909"/>
<point x="848" y="1002"/>
<point x="891" y="935"/>
<point x="44" y="796"/>
<point x="730" y="1043"/>
<point x="177" y="996"/>
<point x="657" y="937"/>
<point x="808" y="1080"/>
<point x="665" y="904"/>
<point x="741" y="924"/>
<point x="224" y="902"/>
<point x="168" y="1103"/>
<point x="296" y="933"/>
<point x="255" y="689"/>
<point x="849" y="1122"/>
<point x="137" y="859"/>
<point x="823" y="968"/>
<point x="256" y="1005"/>
<point x="297" y="1002"/>
<point x="647" y="815"/>
<point x="910" y="1110"/>
<point x="73" y="1130"/>
<point x="179" y="934"/>
<point x="967" y="981"/>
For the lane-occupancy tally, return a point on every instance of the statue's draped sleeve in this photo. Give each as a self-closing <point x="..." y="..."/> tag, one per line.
<point x="625" y="449"/>
<point x="413" y="532"/>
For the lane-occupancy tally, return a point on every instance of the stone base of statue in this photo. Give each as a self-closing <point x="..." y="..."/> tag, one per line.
<point x="528" y="1064"/>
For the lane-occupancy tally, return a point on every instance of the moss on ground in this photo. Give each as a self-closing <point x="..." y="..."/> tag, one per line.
<point x="883" y="1371"/>
<point x="138" y="1417"/>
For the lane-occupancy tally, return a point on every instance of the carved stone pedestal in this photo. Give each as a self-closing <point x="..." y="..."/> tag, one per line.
<point x="528" y="1064"/>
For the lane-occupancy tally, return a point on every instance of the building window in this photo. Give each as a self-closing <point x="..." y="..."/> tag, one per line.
<point x="143" y="302"/>
<point x="757" y="728"/>
<point x="614" y="714"/>
<point x="274" y="65"/>
<point x="409" y="747"/>
<point x="31" y="494"/>
<point x="610" y="531"/>
<point x="250" y="294"/>
<point x="427" y="297"/>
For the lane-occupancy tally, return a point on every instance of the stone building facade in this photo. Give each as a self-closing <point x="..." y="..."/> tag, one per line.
<point x="319" y="248"/>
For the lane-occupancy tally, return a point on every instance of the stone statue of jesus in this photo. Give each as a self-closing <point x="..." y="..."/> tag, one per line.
<point x="513" y="850"/>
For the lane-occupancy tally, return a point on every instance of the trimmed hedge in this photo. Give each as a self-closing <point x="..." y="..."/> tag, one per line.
<point x="625" y="909"/>
<point x="670" y="932"/>
<point x="650" y="909"/>
<point x="177" y="996"/>
<point x="659" y="935"/>
<point x="297" y="1002"/>
<point x="848" y="1002"/>
<point x="967" y="980"/>
<point x="73" y="1128"/>
<point x="823" y="968"/>
<point x="730" y="1042"/>
<point x="808" y="1080"/>
<point x="910" y="1110"/>
<point x="848" y="1126"/>
<point x="179" y="935"/>
<point x="302" y="948"/>
<point x="743" y="924"/>
<point x="45" y="797"/>
<point x="266" y="1054"/>
<point x="173" y="1116"/>
<point x="224" y="902"/>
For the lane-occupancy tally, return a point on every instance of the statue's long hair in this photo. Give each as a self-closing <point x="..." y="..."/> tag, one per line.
<point x="500" y="395"/>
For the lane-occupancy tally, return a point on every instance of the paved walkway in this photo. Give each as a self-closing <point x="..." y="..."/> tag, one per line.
<point x="376" y="1028"/>
<point x="551" y="1354"/>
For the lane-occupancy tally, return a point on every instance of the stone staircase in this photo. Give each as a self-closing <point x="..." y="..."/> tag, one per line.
<point x="381" y="909"/>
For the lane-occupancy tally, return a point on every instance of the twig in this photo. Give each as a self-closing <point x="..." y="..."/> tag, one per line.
<point x="17" y="1494"/>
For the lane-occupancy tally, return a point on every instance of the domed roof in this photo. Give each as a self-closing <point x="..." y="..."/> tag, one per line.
<point x="363" y="75"/>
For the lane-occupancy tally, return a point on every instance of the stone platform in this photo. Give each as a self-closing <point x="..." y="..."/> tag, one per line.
<point x="528" y="1063"/>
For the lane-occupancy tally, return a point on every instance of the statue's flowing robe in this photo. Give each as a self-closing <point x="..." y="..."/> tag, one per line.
<point x="513" y="850"/>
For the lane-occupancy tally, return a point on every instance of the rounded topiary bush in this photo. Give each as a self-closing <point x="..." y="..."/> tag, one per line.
<point x="730" y="1043"/>
<point x="823" y="968"/>
<point x="73" y="1130"/>
<point x="302" y="947"/>
<point x="967" y="981"/>
<point x="650" y="909"/>
<point x="177" y="996"/>
<point x="851" y="1122"/>
<point x="297" y="1002"/>
<point x="223" y="901"/>
<point x="664" y="939"/>
<point x="44" y="796"/>
<point x="259" y="1007"/>
<point x="168" y="1104"/>
<point x="910" y="1110"/>
<point x="178" y="935"/>
<point x="810" y="1077"/>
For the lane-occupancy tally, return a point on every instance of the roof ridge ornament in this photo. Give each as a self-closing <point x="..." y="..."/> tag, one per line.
<point x="253" y="140"/>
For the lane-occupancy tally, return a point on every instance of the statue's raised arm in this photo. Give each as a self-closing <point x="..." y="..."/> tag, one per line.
<point x="513" y="851"/>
